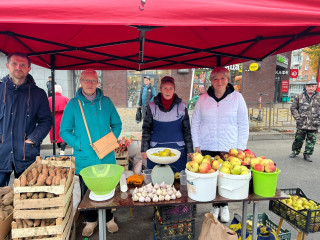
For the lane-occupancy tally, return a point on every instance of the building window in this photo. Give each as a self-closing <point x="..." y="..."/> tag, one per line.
<point x="306" y="67"/>
<point x="313" y="77"/>
<point x="307" y="57"/>
<point x="299" y="67"/>
<point x="305" y="77"/>
<point x="135" y="83"/>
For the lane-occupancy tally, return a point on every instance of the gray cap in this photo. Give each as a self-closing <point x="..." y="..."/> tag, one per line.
<point x="147" y="77"/>
<point x="312" y="82"/>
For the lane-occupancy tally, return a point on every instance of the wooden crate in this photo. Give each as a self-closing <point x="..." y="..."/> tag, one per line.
<point x="57" y="163"/>
<point x="60" y="231"/>
<point x="123" y="159"/>
<point x="34" y="208"/>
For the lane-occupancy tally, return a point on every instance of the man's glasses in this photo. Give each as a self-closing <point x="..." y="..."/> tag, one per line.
<point x="89" y="81"/>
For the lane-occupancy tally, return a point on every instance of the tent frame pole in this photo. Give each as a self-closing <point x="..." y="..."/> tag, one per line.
<point x="54" y="140"/>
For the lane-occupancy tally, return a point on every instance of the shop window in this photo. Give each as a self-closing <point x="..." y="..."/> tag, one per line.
<point x="135" y="83"/>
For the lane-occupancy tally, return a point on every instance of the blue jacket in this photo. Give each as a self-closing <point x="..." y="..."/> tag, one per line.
<point x="101" y="116"/>
<point x="24" y="113"/>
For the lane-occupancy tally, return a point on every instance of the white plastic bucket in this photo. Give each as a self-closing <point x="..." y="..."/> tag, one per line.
<point x="202" y="187"/>
<point x="233" y="186"/>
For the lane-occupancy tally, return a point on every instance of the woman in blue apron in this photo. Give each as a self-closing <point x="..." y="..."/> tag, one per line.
<point x="167" y="125"/>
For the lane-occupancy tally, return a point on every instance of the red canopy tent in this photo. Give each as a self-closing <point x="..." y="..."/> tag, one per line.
<point x="100" y="34"/>
<point x="166" y="34"/>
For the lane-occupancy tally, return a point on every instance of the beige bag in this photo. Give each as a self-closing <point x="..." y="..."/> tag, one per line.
<point x="212" y="229"/>
<point x="104" y="145"/>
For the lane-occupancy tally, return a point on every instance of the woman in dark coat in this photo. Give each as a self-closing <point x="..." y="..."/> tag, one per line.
<point x="166" y="124"/>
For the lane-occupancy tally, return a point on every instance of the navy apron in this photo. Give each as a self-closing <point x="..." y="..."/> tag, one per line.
<point x="169" y="135"/>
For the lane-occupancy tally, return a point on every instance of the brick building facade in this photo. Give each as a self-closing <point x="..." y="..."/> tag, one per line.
<point x="115" y="86"/>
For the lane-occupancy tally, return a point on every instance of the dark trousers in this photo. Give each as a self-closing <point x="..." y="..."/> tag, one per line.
<point x="62" y="145"/>
<point x="5" y="176"/>
<point x="213" y="154"/>
<point x="310" y="136"/>
<point x="92" y="215"/>
<point x="143" y="111"/>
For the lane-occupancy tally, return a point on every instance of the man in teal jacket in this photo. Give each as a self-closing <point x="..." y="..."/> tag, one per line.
<point x="102" y="117"/>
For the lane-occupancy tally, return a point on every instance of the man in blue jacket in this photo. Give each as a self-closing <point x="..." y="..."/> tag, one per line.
<point x="25" y="118"/>
<point x="148" y="92"/>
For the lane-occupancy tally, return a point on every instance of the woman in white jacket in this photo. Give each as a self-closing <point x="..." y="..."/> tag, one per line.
<point x="220" y="122"/>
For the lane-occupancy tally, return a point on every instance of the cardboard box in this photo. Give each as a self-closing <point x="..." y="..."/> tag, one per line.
<point x="5" y="226"/>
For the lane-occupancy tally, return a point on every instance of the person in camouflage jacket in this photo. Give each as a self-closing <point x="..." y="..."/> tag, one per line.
<point x="305" y="109"/>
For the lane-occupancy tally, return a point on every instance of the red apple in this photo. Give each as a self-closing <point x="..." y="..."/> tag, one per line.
<point x="254" y="162"/>
<point x="215" y="164"/>
<point x="270" y="168"/>
<point x="192" y="166"/>
<point x="249" y="153"/>
<point x="204" y="167"/>
<point x="211" y="171"/>
<point x="265" y="161"/>
<point x="246" y="161"/>
<point x="259" y="167"/>
<point x="206" y="160"/>
<point x="233" y="152"/>
<point x="241" y="155"/>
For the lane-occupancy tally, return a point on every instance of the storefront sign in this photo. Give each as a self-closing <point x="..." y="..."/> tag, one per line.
<point x="294" y="73"/>
<point x="285" y="86"/>
<point x="254" y="67"/>
<point x="283" y="72"/>
<point x="282" y="61"/>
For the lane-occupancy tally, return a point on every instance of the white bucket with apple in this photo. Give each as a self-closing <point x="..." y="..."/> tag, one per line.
<point x="233" y="186"/>
<point x="202" y="187"/>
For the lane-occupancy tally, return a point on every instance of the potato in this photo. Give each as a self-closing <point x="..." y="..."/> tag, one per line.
<point x="5" y="190"/>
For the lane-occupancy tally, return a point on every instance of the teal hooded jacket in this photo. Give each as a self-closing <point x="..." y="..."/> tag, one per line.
<point x="102" y="117"/>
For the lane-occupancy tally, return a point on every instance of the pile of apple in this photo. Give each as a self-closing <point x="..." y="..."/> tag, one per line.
<point x="261" y="164"/>
<point x="204" y="164"/>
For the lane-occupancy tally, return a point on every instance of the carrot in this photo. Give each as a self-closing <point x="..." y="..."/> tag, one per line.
<point x="39" y="168"/>
<point x="29" y="222"/>
<point x="29" y="176"/>
<point x="41" y="180"/>
<point x="58" y="179"/>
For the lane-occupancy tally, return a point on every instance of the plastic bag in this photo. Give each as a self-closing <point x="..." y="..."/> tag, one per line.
<point x="212" y="229"/>
<point x="138" y="115"/>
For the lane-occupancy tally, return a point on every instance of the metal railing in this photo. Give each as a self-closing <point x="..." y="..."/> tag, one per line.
<point x="272" y="115"/>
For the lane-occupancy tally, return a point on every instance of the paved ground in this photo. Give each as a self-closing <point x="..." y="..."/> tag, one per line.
<point x="295" y="173"/>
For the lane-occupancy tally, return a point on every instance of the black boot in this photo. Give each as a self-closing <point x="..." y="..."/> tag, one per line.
<point x="307" y="158"/>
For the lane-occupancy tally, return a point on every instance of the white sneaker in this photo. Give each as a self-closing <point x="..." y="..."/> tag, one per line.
<point x="62" y="152"/>
<point x="215" y="211"/>
<point x="224" y="214"/>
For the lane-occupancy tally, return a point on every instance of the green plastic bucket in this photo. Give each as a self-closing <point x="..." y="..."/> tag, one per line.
<point x="265" y="184"/>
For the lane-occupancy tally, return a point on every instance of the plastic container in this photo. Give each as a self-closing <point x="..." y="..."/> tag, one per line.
<point x="307" y="221"/>
<point x="170" y="214"/>
<point x="183" y="177"/>
<point x="147" y="175"/>
<point x="202" y="187"/>
<point x="174" y="231"/>
<point x="264" y="219"/>
<point x="265" y="184"/>
<point x="103" y="178"/>
<point x="233" y="186"/>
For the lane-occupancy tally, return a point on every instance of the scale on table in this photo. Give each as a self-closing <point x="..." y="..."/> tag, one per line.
<point x="101" y="180"/>
<point x="99" y="198"/>
<point x="162" y="172"/>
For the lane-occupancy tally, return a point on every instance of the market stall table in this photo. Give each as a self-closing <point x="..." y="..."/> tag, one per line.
<point x="124" y="200"/>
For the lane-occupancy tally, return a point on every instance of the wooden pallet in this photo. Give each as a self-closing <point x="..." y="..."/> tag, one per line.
<point x="60" y="231"/>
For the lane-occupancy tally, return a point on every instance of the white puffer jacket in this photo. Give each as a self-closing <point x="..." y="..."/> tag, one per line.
<point x="219" y="126"/>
